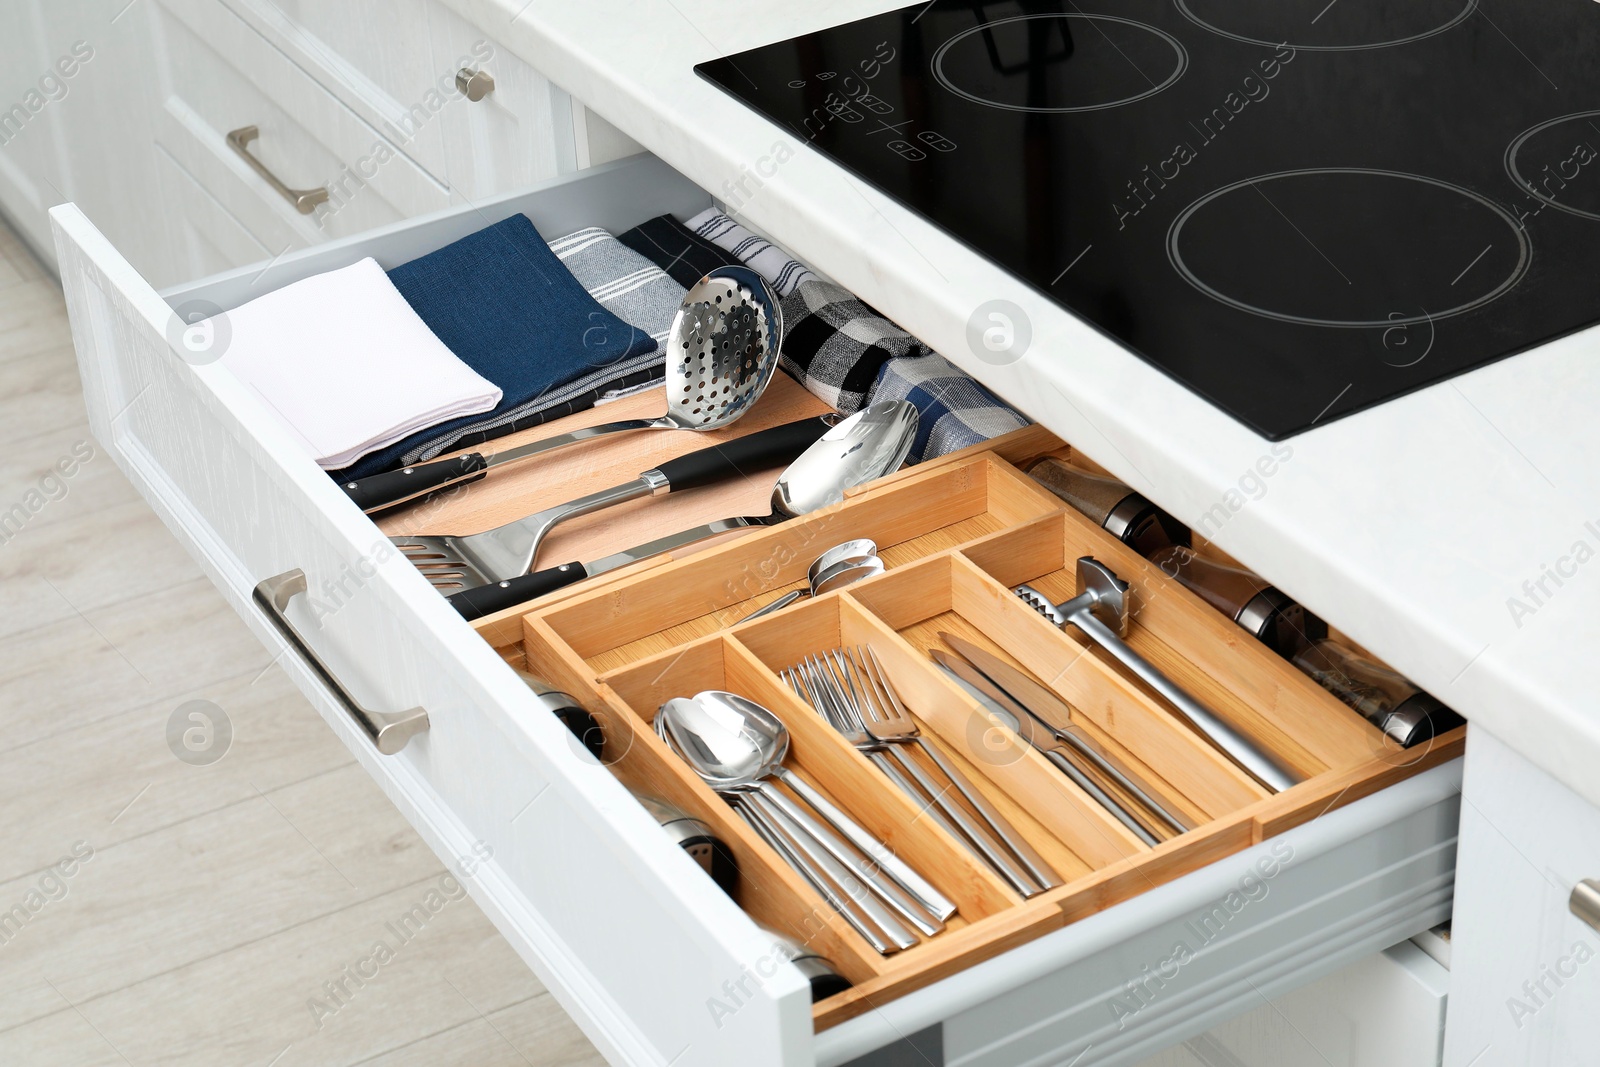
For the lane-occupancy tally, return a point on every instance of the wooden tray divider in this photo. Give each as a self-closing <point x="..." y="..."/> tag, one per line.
<point x="709" y="590"/>
<point x="957" y="533"/>
<point x="1073" y="833"/>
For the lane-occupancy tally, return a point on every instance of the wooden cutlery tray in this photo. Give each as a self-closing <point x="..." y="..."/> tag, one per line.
<point x="956" y="534"/>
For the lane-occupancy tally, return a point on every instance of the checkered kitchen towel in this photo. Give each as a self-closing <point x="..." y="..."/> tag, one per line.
<point x="834" y="344"/>
<point x="626" y="284"/>
<point x="846" y="353"/>
<point x="954" y="410"/>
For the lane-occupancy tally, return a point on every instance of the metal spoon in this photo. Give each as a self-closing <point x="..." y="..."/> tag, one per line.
<point x="736" y="744"/>
<point x="835" y="568"/>
<point x="721" y="355"/>
<point x="868" y="445"/>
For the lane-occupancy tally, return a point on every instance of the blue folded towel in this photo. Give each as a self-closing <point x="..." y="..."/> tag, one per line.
<point x="502" y="302"/>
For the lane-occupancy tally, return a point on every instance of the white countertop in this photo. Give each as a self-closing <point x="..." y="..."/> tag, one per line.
<point x="1410" y="526"/>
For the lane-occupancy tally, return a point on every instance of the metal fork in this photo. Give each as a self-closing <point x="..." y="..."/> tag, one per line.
<point x="887" y="720"/>
<point x="816" y="687"/>
<point x="838" y="684"/>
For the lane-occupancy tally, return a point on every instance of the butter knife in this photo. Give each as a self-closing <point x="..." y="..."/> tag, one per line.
<point x="1007" y="711"/>
<point x="1056" y="716"/>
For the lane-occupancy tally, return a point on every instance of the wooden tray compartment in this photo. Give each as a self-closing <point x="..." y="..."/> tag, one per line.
<point x="818" y="755"/>
<point x="950" y="594"/>
<point x="923" y="511"/>
<point x="1072" y="833"/>
<point x="1217" y="662"/>
<point x="957" y="533"/>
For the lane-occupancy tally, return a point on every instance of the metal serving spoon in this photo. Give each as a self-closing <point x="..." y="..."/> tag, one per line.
<point x="721" y="356"/>
<point x="866" y="446"/>
<point x="734" y="743"/>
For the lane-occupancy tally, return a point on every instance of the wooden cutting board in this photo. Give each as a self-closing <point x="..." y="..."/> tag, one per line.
<point x="521" y="489"/>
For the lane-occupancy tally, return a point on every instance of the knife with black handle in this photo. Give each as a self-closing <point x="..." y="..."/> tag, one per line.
<point x="759" y="451"/>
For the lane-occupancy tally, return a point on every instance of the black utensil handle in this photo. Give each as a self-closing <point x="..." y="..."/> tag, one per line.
<point x="775" y="447"/>
<point x="393" y="487"/>
<point x="488" y="599"/>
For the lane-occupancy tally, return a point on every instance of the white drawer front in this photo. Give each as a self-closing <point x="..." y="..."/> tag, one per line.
<point x="627" y="931"/>
<point x="1525" y="977"/>
<point x="219" y="75"/>
<point x="1386" y="1010"/>
<point x="620" y="923"/>
<point x="1117" y="987"/>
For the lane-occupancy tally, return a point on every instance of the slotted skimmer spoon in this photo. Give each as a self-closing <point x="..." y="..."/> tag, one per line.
<point x="455" y="562"/>
<point x="721" y="355"/>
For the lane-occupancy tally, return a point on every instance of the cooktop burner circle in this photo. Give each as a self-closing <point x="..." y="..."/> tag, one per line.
<point x="1349" y="247"/>
<point x="1349" y="19"/>
<point x="1108" y="67"/>
<point x="1563" y="172"/>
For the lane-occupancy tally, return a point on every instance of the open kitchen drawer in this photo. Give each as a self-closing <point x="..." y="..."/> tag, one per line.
<point x="621" y="925"/>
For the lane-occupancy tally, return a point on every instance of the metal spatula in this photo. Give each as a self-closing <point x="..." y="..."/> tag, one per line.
<point x="721" y="356"/>
<point x="867" y="445"/>
<point x="454" y="563"/>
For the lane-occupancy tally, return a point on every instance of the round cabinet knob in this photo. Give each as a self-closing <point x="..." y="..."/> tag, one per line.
<point x="474" y="84"/>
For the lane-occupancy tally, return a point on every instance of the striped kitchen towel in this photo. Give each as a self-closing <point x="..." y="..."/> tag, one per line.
<point x="954" y="410"/>
<point x="625" y="284"/>
<point x="675" y="248"/>
<point x="778" y="267"/>
<point x="833" y="344"/>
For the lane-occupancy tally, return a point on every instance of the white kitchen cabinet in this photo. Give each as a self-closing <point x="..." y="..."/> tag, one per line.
<point x="1525" y="978"/>
<point x="30" y="165"/>
<point x="519" y="133"/>
<point x="619" y="924"/>
<point x="1386" y="1010"/>
<point x="82" y="135"/>
<point x="358" y="99"/>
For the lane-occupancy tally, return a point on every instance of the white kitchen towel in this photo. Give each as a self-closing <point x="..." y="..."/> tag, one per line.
<point x="347" y="365"/>
<point x="759" y="254"/>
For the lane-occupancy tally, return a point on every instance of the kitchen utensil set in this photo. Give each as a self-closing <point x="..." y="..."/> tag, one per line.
<point x="1101" y="612"/>
<point x="738" y="748"/>
<point x="868" y="445"/>
<point x="454" y="563"/>
<point x="851" y="691"/>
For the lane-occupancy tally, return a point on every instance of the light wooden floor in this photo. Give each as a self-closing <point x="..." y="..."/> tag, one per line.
<point x="217" y="900"/>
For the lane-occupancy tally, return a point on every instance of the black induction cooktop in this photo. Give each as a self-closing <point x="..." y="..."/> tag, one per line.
<point x="1296" y="208"/>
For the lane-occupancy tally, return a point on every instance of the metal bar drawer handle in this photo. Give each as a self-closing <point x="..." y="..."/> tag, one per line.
<point x="1585" y="902"/>
<point x="389" y="731"/>
<point x="304" y="200"/>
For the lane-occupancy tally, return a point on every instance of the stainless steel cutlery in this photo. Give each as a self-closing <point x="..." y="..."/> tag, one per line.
<point x="738" y="748"/>
<point x="839" y="566"/>
<point x="999" y="679"/>
<point x="1100" y="612"/>
<point x="852" y="692"/>
<point x="456" y="562"/>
